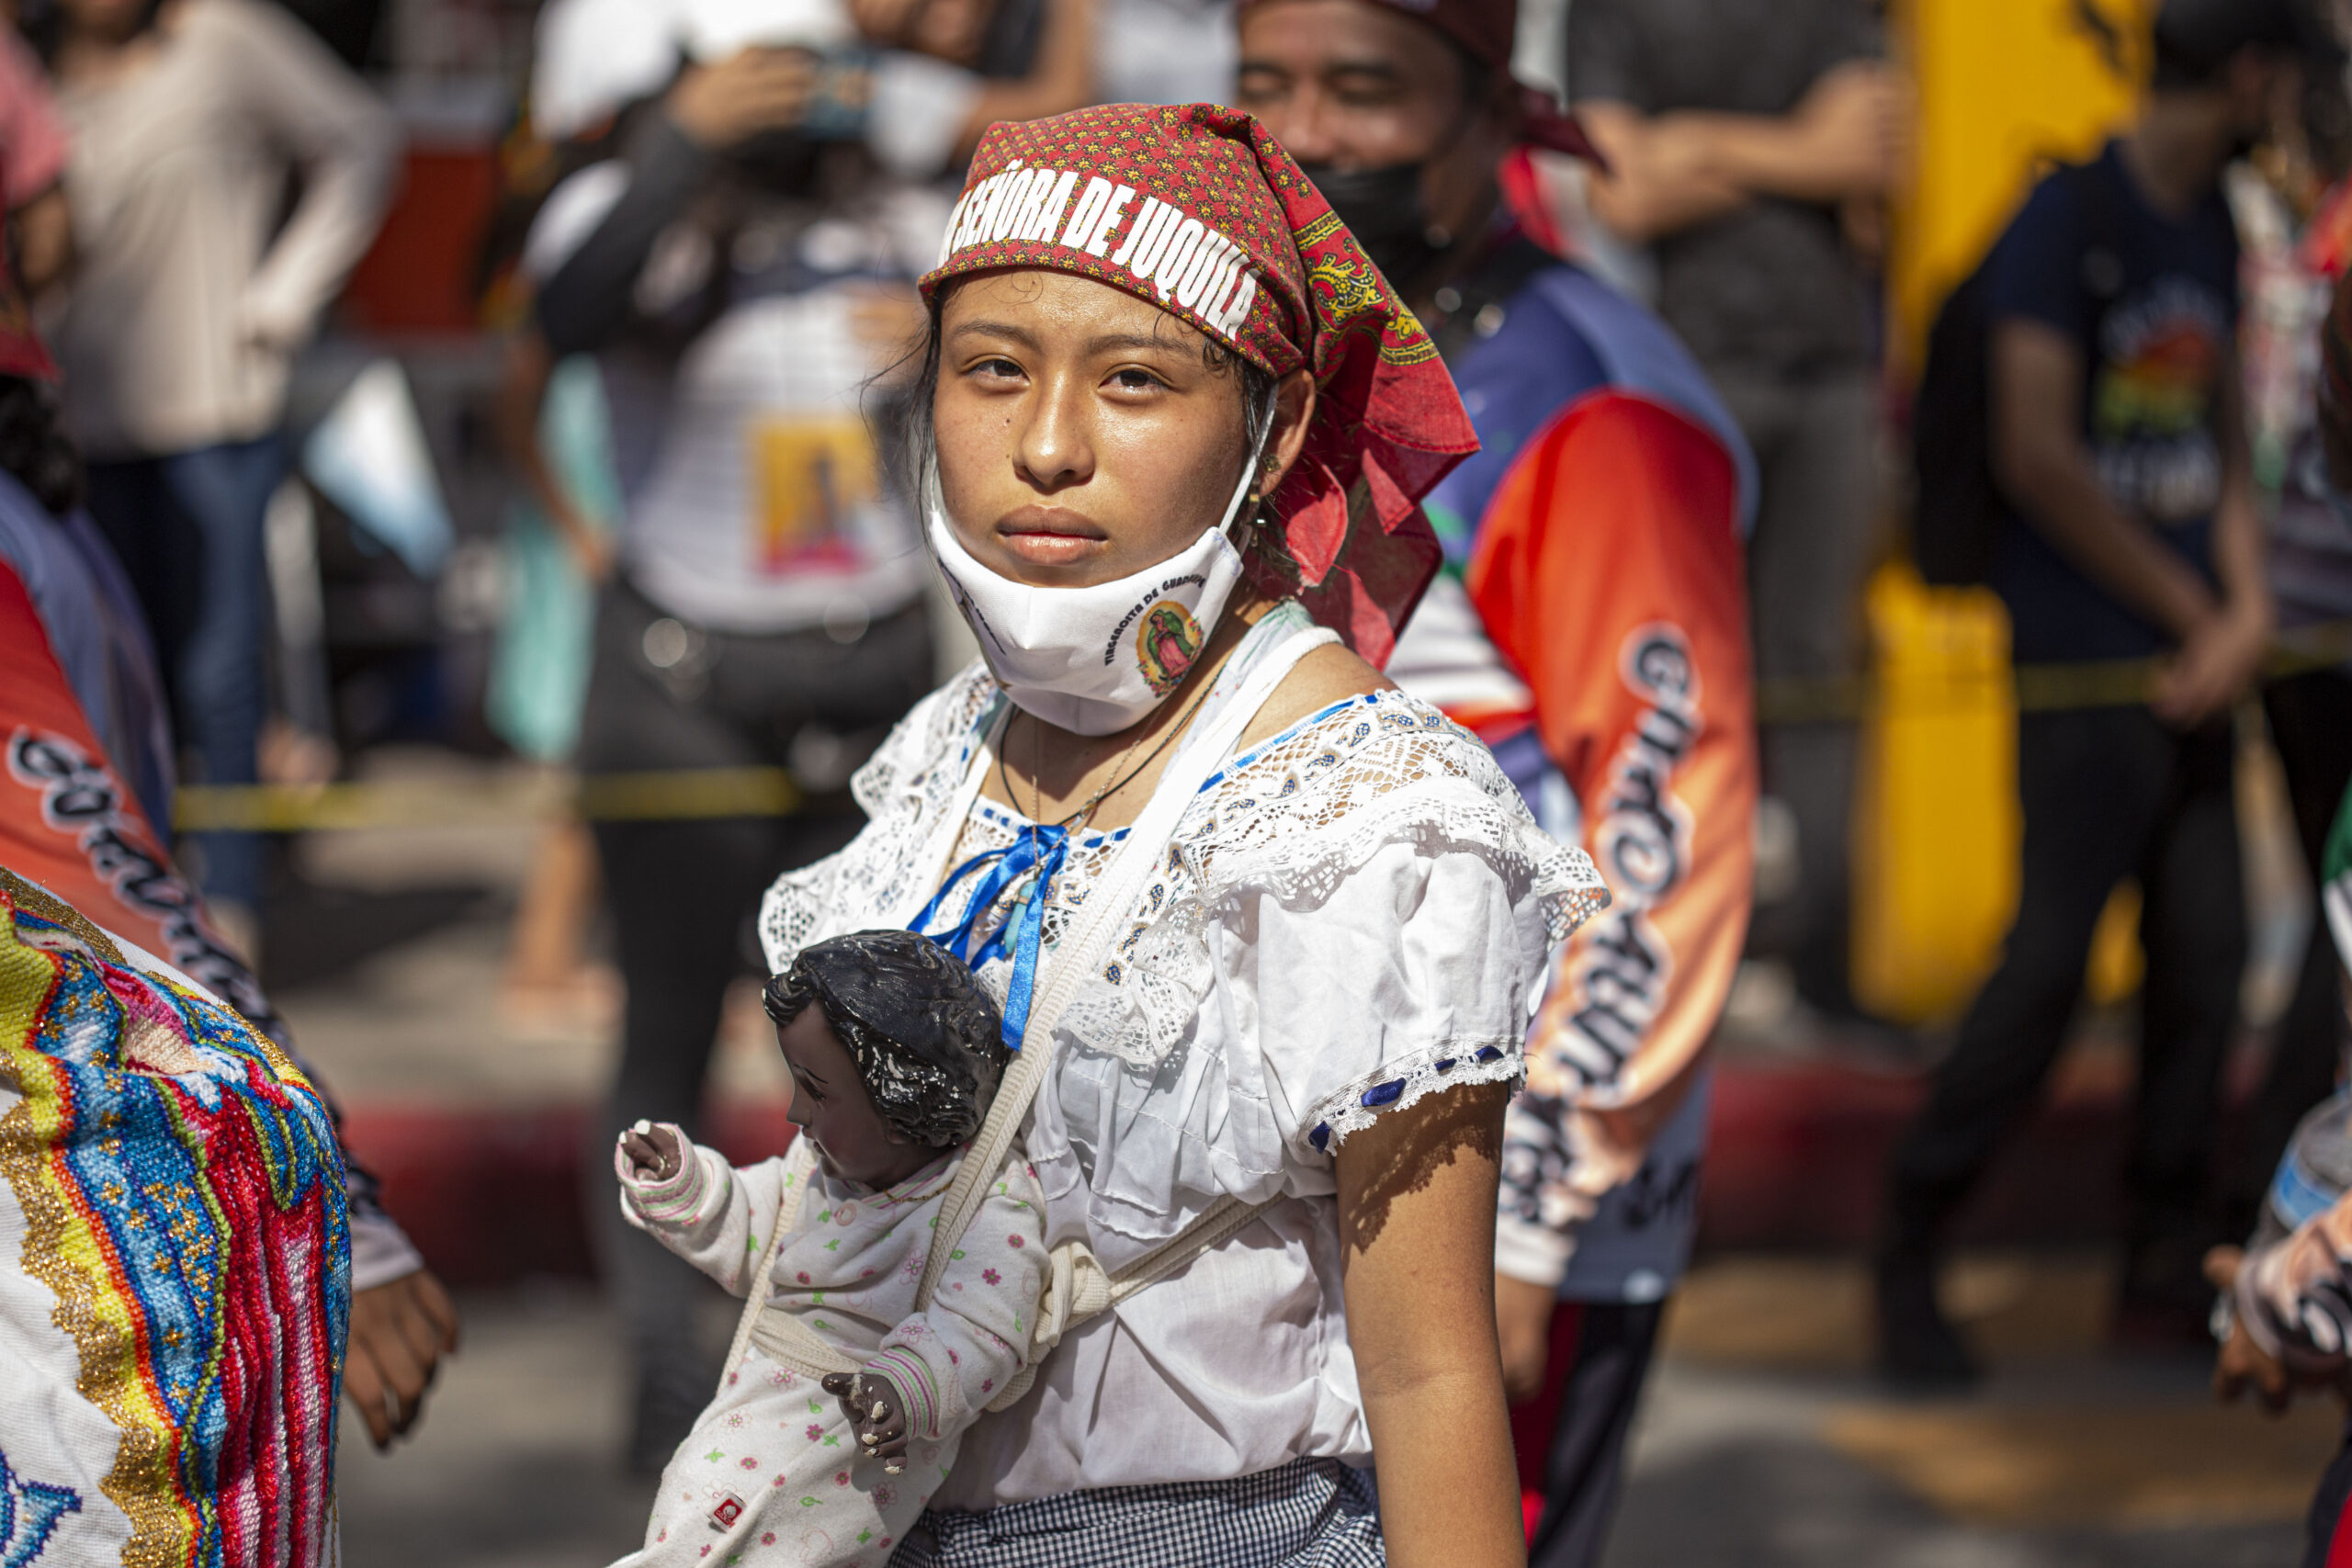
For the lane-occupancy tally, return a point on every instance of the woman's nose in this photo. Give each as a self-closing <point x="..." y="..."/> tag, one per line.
<point x="1054" y="448"/>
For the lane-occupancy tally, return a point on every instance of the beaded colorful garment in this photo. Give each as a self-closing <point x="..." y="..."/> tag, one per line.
<point x="172" y="1328"/>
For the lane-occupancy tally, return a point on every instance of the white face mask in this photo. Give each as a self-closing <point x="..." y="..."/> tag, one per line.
<point x="1094" y="659"/>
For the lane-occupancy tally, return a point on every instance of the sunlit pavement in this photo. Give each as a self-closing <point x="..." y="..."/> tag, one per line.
<point x="1744" y="1473"/>
<point x="1763" y="1442"/>
<point x="516" y="1463"/>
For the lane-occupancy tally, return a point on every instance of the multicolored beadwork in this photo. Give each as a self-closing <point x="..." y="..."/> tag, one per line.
<point x="182" y="1191"/>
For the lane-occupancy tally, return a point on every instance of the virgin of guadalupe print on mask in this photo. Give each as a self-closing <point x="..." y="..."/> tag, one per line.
<point x="1170" y="641"/>
<point x="1049" y="646"/>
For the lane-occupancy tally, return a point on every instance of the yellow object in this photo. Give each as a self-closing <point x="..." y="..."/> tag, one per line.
<point x="1936" y="845"/>
<point x="672" y="795"/>
<point x="2004" y="86"/>
<point x="2117" y="965"/>
<point x="812" y="475"/>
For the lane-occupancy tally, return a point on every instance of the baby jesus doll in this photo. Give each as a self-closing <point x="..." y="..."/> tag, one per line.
<point x="843" y="1417"/>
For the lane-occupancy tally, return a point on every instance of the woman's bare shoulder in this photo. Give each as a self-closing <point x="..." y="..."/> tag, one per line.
<point x="1329" y="674"/>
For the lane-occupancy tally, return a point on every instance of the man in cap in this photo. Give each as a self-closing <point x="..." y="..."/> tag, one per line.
<point x="2117" y="441"/>
<point x="1590" y="625"/>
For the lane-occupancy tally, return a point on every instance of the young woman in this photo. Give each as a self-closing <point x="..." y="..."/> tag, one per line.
<point x="1265" y="929"/>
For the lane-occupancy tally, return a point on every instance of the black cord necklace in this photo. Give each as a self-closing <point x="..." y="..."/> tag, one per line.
<point x="1086" y="812"/>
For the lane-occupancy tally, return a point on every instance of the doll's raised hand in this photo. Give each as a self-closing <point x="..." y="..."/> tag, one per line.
<point x="877" y="1415"/>
<point x="654" y="1154"/>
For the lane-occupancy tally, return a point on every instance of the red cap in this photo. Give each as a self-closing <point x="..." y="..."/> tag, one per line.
<point x="1196" y="208"/>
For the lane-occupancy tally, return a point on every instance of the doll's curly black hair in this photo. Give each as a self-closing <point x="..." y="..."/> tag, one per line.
<point x="924" y="1036"/>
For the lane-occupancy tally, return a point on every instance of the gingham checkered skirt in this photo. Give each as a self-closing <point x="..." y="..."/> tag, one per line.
<point x="1311" y="1513"/>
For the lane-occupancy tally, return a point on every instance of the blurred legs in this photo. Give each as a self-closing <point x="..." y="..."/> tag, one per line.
<point x="189" y="530"/>
<point x="1805" y="564"/>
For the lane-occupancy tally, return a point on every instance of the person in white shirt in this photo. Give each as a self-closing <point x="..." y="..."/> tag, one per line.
<point x="187" y="300"/>
<point x="764" y="605"/>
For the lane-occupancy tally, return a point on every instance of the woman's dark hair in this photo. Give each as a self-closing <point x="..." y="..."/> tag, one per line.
<point x="911" y="419"/>
<point x="35" y="451"/>
<point x="926" y="1040"/>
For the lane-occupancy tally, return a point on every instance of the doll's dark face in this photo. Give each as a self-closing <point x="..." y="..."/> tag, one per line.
<point x="831" y="1108"/>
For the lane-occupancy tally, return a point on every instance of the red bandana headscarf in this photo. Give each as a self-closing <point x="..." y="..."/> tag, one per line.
<point x="1196" y="208"/>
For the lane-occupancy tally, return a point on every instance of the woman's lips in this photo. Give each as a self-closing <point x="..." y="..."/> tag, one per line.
<point x="1051" y="539"/>
<point x="1050" y="549"/>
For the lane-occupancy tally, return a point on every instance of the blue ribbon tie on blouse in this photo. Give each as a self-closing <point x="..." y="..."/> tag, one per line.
<point x="1039" y="849"/>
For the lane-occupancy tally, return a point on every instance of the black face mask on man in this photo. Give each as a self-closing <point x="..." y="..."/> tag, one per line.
<point x="1383" y="210"/>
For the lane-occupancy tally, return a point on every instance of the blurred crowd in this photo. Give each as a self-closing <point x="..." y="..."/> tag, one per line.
<point x="2132" y="423"/>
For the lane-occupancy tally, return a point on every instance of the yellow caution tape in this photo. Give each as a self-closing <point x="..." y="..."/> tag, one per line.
<point x="2039" y="688"/>
<point x="700" y="794"/>
<point x="680" y="794"/>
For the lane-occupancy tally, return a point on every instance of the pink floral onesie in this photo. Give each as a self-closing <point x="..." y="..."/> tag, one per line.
<point x="771" y="1473"/>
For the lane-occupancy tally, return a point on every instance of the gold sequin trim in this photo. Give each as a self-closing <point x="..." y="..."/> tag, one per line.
<point x="140" y="1483"/>
<point x="51" y="907"/>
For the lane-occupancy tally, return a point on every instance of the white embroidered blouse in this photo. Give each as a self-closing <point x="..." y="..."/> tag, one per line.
<point x="1351" y="915"/>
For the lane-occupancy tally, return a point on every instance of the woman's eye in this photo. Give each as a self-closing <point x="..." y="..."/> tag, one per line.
<point x="1132" y="381"/>
<point x="998" y="369"/>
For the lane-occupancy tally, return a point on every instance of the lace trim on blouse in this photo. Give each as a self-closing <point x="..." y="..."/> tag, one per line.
<point x="1395" y="1085"/>
<point x="1294" y="820"/>
<point x="1291" y="819"/>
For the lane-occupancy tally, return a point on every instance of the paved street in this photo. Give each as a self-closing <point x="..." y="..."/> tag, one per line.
<point x="1765" y="1445"/>
<point x="1762" y="1445"/>
<point x="516" y="1465"/>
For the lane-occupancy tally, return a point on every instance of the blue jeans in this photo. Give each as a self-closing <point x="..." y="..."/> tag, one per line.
<point x="188" y="529"/>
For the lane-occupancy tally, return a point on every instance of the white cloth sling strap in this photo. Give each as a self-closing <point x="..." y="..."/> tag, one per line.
<point x="777" y="1331"/>
<point x="1077" y="1286"/>
<point x="779" y="1334"/>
